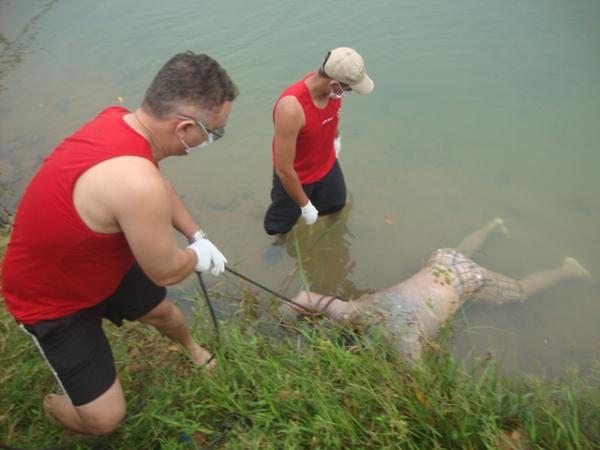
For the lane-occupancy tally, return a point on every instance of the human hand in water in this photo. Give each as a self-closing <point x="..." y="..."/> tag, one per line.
<point x="309" y="213"/>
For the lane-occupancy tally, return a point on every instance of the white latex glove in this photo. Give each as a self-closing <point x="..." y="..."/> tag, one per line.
<point x="309" y="213"/>
<point x="337" y="145"/>
<point x="208" y="256"/>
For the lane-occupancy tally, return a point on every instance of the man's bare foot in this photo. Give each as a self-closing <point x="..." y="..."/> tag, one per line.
<point x="289" y="311"/>
<point x="48" y="399"/>
<point x="499" y="226"/>
<point x="300" y="308"/>
<point x="574" y="267"/>
<point x="200" y="356"/>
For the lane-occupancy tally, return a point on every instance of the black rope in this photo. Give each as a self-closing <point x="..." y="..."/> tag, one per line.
<point x="210" y="307"/>
<point x="276" y="294"/>
<point x="212" y="316"/>
<point x="212" y="311"/>
<point x="223" y="427"/>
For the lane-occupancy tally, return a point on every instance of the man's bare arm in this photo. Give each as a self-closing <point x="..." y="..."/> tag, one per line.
<point x="182" y="219"/>
<point x="141" y="205"/>
<point x="289" y="119"/>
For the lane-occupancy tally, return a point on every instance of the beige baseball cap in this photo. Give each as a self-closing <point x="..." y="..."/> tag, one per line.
<point x="345" y="65"/>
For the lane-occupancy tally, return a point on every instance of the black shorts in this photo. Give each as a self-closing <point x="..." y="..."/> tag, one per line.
<point x="76" y="347"/>
<point x="328" y="195"/>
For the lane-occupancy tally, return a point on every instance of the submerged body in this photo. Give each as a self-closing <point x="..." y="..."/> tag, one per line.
<point x="412" y="312"/>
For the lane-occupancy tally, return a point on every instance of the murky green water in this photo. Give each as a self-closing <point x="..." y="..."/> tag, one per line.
<point x="481" y="109"/>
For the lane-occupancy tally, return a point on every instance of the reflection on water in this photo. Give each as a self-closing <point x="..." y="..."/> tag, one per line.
<point x="481" y="109"/>
<point x="322" y="255"/>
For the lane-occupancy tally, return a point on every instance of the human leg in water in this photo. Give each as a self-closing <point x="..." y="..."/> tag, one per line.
<point x="501" y="289"/>
<point x="476" y="239"/>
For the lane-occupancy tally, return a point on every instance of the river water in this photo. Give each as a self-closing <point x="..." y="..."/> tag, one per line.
<point x="481" y="109"/>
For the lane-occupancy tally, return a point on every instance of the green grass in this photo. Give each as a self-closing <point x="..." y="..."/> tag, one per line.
<point x="320" y="388"/>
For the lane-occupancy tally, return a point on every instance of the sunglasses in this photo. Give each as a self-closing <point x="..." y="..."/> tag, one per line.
<point x="215" y="133"/>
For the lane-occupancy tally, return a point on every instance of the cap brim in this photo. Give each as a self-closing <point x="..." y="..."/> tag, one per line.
<point x="364" y="86"/>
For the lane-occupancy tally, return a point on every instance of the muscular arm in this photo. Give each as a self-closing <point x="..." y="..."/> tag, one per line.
<point x="129" y="194"/>
<point x="144" y="213"/>
<point x="182" y="220"/>
<point x="289" y="119"/>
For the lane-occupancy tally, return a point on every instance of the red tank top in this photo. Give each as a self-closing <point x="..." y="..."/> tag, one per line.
<point x="315" y="155"/>
<point x="54" y="264"/>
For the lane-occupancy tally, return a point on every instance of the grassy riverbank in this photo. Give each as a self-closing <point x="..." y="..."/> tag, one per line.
<point x="313" y="392"/>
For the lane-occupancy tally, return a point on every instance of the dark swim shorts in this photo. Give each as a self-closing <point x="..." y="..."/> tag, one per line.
<point x="327" y="195"/>
<point x="76" y="347"/>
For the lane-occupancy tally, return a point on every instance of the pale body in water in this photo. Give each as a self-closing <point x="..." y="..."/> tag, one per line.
<point x="414" y="310"/>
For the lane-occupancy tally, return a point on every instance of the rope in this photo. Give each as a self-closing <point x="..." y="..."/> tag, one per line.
<point x="276" y="294"/>
<point x="212" y="316"/>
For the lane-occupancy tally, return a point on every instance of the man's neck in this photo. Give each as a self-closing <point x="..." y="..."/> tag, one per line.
<point x="318" y="88"/>
<point x="150" y="129"/>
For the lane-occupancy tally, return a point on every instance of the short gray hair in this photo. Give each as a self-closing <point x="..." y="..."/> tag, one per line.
<point x="189" y="79"/>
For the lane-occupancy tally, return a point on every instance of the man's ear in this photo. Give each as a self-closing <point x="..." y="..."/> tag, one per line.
<point x="183" y="126"/>
<point x="335" y="86"/>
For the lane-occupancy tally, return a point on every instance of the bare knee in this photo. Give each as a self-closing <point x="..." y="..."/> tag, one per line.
<point x="100" y="422"/>
<point x="161" y="313"/>
<point x="104" y="414"/>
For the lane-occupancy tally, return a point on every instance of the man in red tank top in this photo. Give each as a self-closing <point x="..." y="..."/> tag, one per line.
<point x="307" y="178"/>
<point x="92" y="237"/>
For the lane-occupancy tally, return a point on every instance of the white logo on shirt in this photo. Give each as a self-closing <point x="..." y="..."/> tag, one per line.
<point x="329" y="119"/>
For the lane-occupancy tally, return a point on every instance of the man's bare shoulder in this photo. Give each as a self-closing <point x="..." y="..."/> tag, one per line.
<point x="125" y="172"/>
<point x="118" y="187"/>
<point x="288" y="105"/>
<point x="133" y="178"/>
<point x="289" y="113"/>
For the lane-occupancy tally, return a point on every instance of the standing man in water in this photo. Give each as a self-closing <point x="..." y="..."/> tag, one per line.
<point x="307" y="178"/>
<point x="93" y="237"/>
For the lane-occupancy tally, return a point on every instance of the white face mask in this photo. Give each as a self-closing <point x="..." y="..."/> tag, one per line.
<point x="190" y="150"/>
<point x="339" y="96"/>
